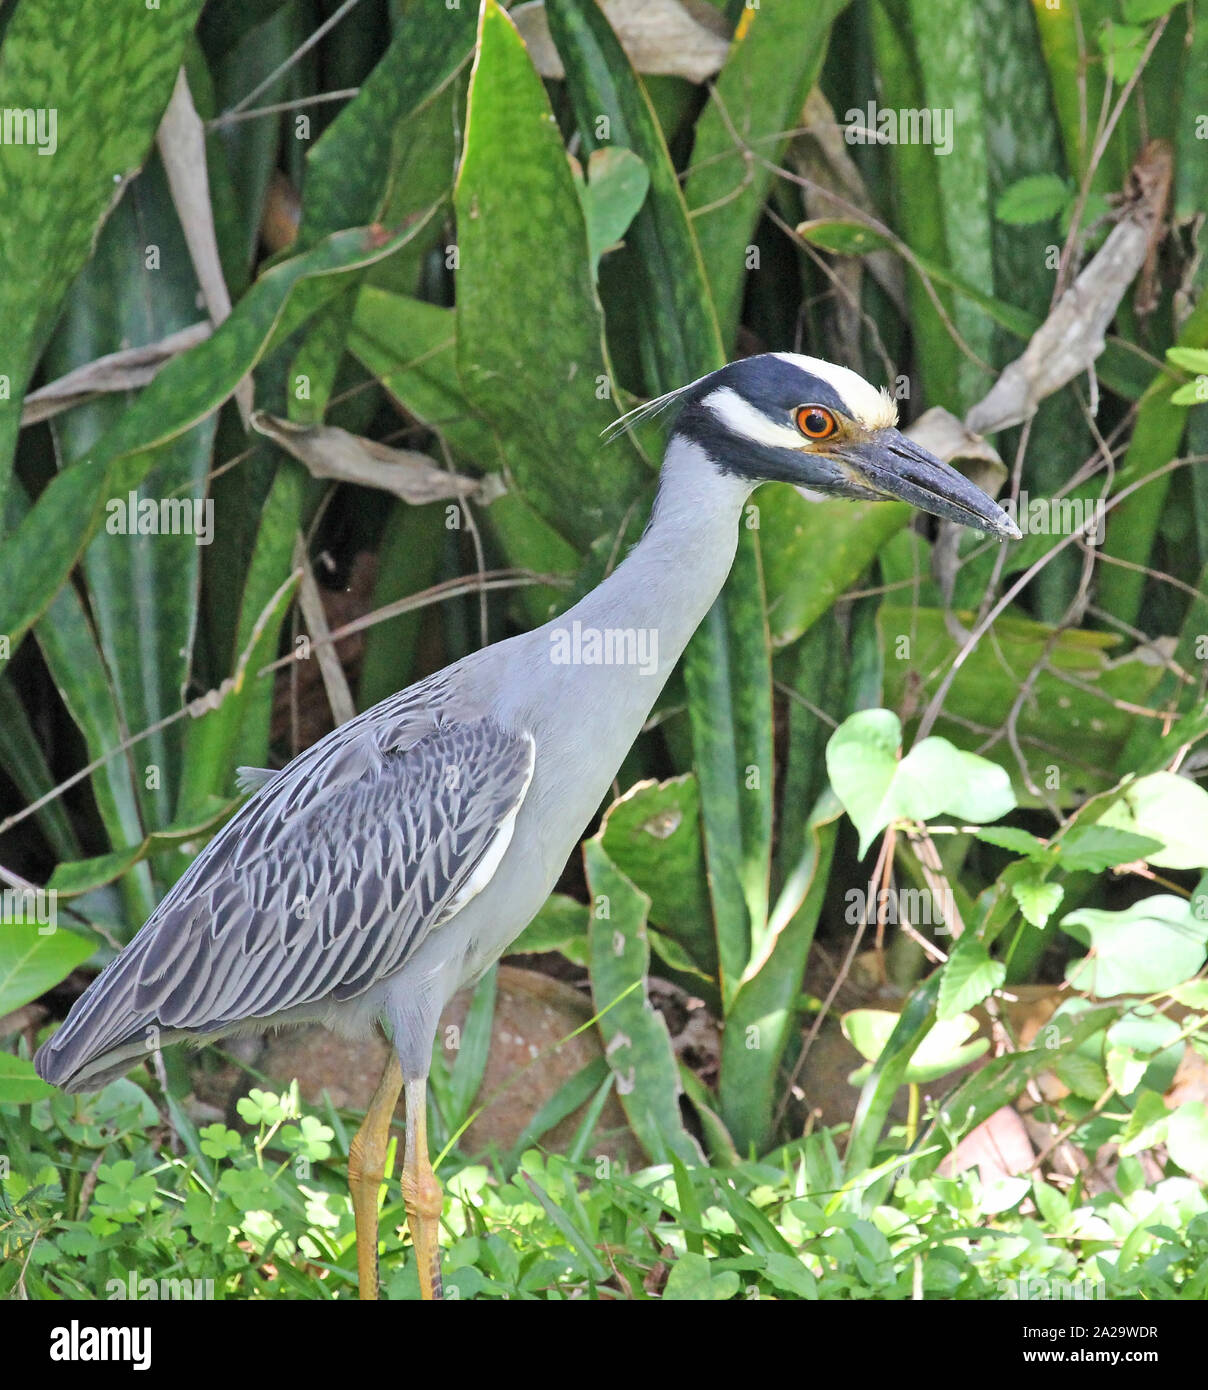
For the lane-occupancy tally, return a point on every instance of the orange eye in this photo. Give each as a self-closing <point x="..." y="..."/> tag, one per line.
<point x="815" y="421"/>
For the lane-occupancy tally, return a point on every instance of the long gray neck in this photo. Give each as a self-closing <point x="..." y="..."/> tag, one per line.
<point x="669" y="581"/>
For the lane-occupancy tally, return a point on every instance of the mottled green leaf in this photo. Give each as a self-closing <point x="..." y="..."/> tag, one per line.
<point x="636" y="1040"/>
<point x="99" y="85"/>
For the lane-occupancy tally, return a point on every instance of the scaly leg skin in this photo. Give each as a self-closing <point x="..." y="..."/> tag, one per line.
<point x="421" y="1192"/>
<point x="366" y="1168"/>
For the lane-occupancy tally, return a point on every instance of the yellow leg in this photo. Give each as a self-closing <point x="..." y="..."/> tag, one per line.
<point x="366" y="1168"/>
<point x="421" y="1191"/>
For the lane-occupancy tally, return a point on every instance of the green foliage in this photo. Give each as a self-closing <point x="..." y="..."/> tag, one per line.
<point x="495" y="265"/>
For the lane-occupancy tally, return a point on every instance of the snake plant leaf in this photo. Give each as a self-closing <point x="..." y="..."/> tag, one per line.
<point x="25" y="763"/>
<point x="761" y="1018"/>
<point x="69" y="647"/>
<point x="776" y="57"/>
<point x="726" y="668"/>
<point x="381" y="159"/>
<point x="1133" y="525"/>
<point x="612" y="108"/>
<point x="411" y="348"/>
<point x="561" y="925"/>
<point x="101" y="83"/>
<point x="637" y="1044"/>
<point x="75" y="877"/>
<point x="141" y="586"/>
<point x="529" y="322"/>
<point x="813" y="552"/>
<point x="234" y="732"/>
<point x="351" y="167"/>
<point x="652" y="835"/>
<point x="37" y="558"/>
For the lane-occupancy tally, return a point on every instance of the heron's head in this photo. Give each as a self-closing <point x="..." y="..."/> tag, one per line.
<point x="780" y="417"/>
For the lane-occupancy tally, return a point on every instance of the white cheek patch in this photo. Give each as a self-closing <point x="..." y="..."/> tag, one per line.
<point x="741" y="418"/>
<point x="874" y="409"/>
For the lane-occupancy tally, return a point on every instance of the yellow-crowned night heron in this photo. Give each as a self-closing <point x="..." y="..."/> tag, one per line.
<point x="394" y="861"/>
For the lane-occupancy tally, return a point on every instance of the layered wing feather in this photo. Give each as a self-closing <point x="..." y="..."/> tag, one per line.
<point x="320" y="887"/>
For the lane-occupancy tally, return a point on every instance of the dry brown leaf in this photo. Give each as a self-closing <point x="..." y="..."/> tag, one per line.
<point x="660" y="36"/>
<point x="330" y="452"/>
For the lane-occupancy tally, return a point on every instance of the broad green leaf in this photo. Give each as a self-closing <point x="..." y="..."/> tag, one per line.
<point x="1170" y="809"/>
<point x="933" y="777"/>
<point x="935" y="774"/>
<point x="1151" y="946"/>
<point x="692" y="1279"/>
<point x="1122" y="45"/>
<point x="1037" y="899"/>
<point x="1083" y="1075"/>
<point x="1011" y="838"/>
<point x="1146" y="1125"/>
<point x="861" y="759"/>
<point x="34" y="957"/>
<point x="1093" y="848"/>
<point x="943" y="1048"/>
<point x="1189" y="359"/>
<point x="615" y="186"/>
<point x="1187" y="1138"/>
<point x="970" y="975"/>
<point x="19" y="1083"/>
<point x="561" y="925"/>
<point x="1032" y="199"/>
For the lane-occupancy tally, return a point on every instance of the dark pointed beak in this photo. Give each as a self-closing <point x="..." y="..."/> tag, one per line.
<point x="890" y="465"/>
